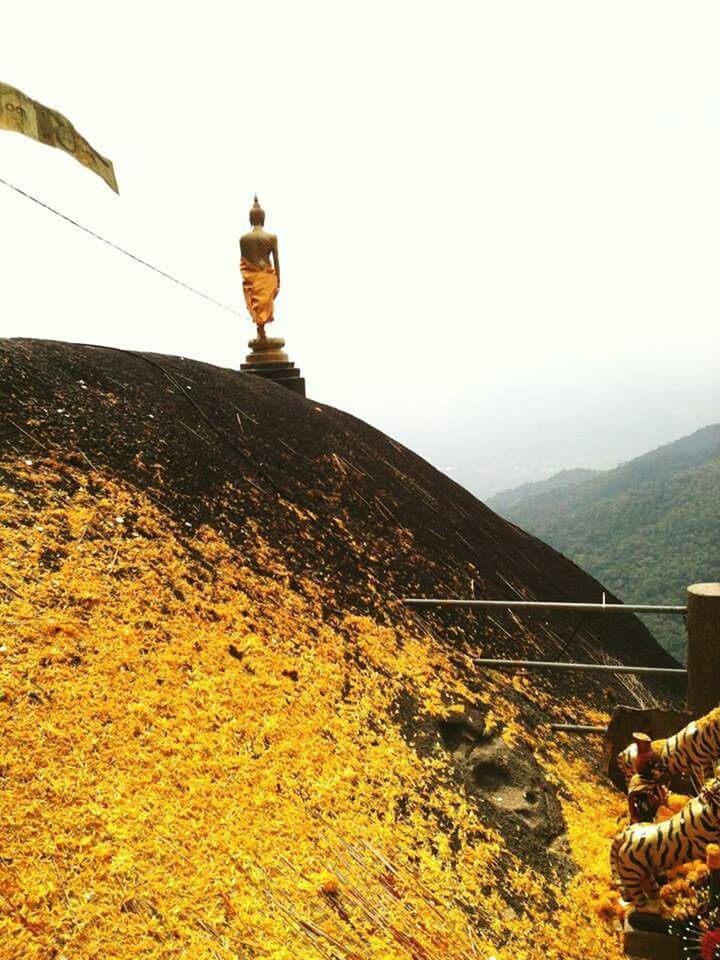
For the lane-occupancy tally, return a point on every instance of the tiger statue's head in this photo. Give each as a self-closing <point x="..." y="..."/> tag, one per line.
<point x="643" y="756"/>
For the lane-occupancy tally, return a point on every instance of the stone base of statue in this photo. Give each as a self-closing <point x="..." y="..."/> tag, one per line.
<point x="267" y="359"/>
<point x="652" y="943"/>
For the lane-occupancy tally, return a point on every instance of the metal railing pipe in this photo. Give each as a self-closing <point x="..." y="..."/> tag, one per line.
<point x="547" y="605"/>
<point x="577" y="728"/>
<point x="581" y="667"/>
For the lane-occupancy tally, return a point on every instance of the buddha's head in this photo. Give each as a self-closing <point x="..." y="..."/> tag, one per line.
<point x="257" y="214"/>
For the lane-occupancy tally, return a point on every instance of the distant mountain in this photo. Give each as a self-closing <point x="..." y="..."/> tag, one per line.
<point x="507" y="499"/>
<point x="647" y="529"/>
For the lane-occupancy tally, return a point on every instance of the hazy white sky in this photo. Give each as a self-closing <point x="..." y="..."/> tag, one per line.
<point x="499" y="223"/>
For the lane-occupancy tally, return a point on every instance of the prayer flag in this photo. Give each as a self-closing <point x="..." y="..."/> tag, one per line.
<point x="20" y="113"/>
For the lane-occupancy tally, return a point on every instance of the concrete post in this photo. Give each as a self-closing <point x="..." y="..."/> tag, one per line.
<point x="703" y="647"/>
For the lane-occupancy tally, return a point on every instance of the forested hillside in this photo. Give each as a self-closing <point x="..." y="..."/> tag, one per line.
<point x="647" y="529"/>
<point x="502" y="502"/>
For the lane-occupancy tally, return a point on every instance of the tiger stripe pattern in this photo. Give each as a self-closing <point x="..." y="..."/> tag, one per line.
<point x="696" y="746"/>
<point x="644" y="852"/>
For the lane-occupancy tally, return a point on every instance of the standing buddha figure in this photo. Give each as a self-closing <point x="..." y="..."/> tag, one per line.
<point x="260" y="268"/>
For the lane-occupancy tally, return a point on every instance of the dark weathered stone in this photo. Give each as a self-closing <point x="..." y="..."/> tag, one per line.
<point x="627" y="720"/>
<point x="646" y="945"/>
<point x="508" y="785"/>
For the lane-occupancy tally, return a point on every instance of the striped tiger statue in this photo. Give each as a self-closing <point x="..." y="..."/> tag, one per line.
<point x="643" y="852"/>
<point x="696" y="746"/>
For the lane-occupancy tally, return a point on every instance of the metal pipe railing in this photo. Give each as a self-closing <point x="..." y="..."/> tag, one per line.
<point x="547" y="605"/>
<point x="576" y="728"/>
<point x="583" y="667"/>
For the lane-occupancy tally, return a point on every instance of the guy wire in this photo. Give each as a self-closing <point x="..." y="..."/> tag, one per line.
<point x="127" y="253"/>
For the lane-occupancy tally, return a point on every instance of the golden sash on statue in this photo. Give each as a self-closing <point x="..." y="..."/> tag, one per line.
<point x="259" y="286"/>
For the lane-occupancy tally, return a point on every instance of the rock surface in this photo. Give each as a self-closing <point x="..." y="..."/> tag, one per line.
<point x="235" y="717"/>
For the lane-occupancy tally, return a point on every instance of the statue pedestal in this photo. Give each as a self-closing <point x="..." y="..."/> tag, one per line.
<point x="267" y="359"/>
<point x="649" y="945"/>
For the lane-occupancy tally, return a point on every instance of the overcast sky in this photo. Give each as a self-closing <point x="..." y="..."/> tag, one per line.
<point x="499" y="223"/>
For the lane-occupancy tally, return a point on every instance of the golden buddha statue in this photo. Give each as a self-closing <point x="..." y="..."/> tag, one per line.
<point x="260" y="268"/>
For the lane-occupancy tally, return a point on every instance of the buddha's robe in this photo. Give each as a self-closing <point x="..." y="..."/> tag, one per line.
<point x="259" y="286"/>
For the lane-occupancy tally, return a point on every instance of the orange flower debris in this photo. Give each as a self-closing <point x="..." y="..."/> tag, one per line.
<point x="196" y="764"/>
